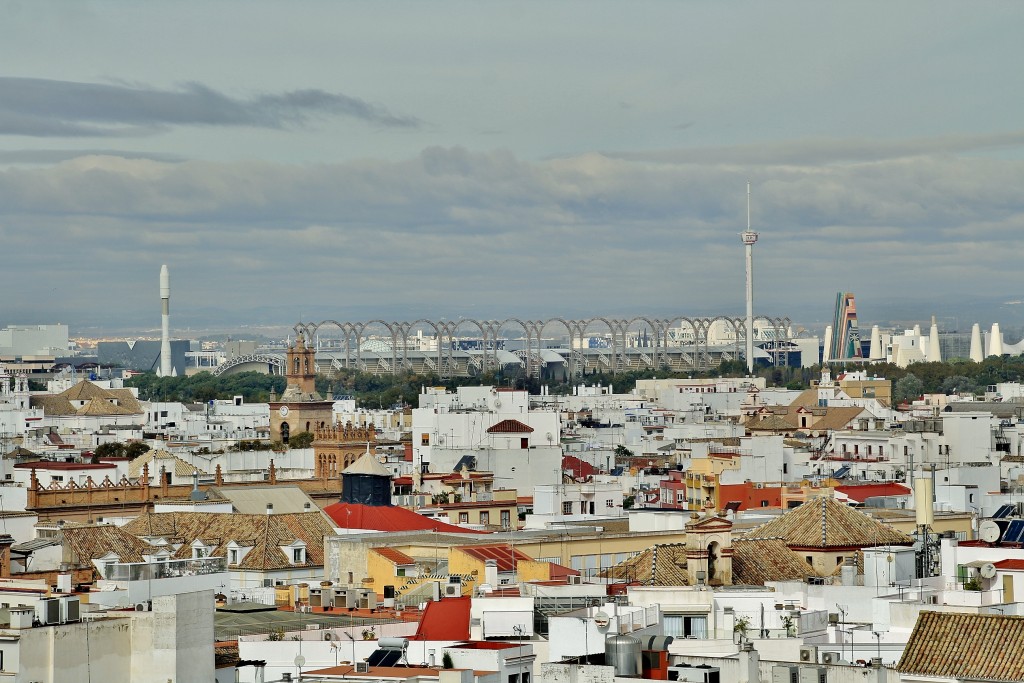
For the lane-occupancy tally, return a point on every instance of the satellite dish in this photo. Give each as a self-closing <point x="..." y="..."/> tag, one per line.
<point x="988" y="571"/>
<point x="989" y="531"/>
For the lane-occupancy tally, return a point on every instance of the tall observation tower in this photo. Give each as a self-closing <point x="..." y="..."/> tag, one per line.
<point x="749" y="237"/>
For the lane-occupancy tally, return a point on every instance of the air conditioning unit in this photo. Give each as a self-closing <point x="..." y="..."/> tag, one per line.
<point x="785" y="674"/>
<point x="574" y="579"/>
<point x="831" y="658"/>
<point x="362" y="667"/>
<point x="328" y="636"/>
<point x="813" y="674"/>
<point x="452" y="590"/>
<point x="809" y="654"/>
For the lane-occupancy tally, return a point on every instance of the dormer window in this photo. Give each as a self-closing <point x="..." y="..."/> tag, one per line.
<point x="233" y="556"/>
<point x="200" y="550"/>
<point x="295" y="552"/>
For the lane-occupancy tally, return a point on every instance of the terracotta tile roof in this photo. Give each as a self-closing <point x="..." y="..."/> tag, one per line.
<point x="659" y="565"/>
<point x="84" y="391"/>
<point x="581" y="469"/>
<point x="126" y="399"/>
<point x="98" y="401"/>
<point x="160" y="458"/>
<point x="966" y="647"/>
<point x="387" y="518"/>
<point x="91" y="542"/>
<point x="772" y="423"/>
<point x="267" y="532"/>
<point x="510" y="427"/>
<point x="103" y="406"/>
<point x="825" y="523"/>
<point x="861" y="492"/>
<point x="446" y="619"/>
<point x="758" y="560"/>
<point x="396" y="557"/>
<point x="1010" y="565"/>
<point x="505" y="555"/>
<point x="53" y="405"/>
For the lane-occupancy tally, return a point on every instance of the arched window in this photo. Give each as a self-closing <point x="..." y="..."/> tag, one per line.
<point x="286" y="431"/>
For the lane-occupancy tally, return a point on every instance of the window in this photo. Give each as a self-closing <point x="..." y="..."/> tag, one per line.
<point x="785" y="468"/>
<point x="583" y="507"/>
<point x="233" y="557"/>
<point x="424" y="439"/>
<point x="609" y="503"/>
<point x="199" y="552"/>
<point x="163" y="413"/>
<point x="810" y="560"/>
<point x="685" y="626"/>
<point x="506" y="519"/>
<point x="485" y="517"/>
<point x="463" y="518"/>
<point x="856" y="449"/>
<point x="524" y="442"/>
<point x="298" y="555"/>
<point x="839" y="560"/>
<point x="567" y="507"/>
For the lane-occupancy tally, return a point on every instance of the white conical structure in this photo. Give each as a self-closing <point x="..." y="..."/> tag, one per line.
<point x="934" y="353"/>
<point x="876" y="343"/>
<point x="826" y="353"/>
<point x="977" y="352"/>
<point x="995" y="341"/>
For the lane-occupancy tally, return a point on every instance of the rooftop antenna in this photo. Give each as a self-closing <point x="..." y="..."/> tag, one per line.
<point x="749" y="237"/>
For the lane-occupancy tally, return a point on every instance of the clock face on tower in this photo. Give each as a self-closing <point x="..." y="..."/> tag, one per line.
<point x="283" y="411"/>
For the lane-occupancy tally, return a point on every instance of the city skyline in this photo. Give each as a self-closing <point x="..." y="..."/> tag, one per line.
<point x="355" y="161"/>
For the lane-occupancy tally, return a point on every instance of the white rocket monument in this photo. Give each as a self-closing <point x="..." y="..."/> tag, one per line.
<point x="749" y="237"/>
<point x="166" y="370"/>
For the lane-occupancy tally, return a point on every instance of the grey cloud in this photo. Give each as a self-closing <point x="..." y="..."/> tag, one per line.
<point x="50" y="108"/>
<point x="828" y="150"/>
<point x="452" y="227"/>
<point x="51" y="156"/>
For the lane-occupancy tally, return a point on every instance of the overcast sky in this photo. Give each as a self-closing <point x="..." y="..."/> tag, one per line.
<point x="354" y="160"/>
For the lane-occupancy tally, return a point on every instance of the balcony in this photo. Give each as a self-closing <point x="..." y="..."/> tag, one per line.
<point x="146" y="571"/>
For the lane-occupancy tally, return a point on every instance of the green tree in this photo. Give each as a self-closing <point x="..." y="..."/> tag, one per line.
<point x="135" y="449"/>
<point x="111" y="449"/>
<point x="301" y="440"/>
<point x="907" y="388"/>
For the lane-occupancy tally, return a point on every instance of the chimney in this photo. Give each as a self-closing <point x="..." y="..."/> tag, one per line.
<point x="6" y="541"/>
<point x="270" y="508"/>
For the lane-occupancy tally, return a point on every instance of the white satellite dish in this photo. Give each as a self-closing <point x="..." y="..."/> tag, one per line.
<point x="989" y="531"/>
<point x="988" y="571"/>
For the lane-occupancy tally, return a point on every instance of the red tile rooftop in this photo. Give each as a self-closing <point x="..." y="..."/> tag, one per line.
<point x="1010" y="565"/>
<point x="348" y="671"/>
<point x="446" y="619"/>
<point x="53" y="465"/>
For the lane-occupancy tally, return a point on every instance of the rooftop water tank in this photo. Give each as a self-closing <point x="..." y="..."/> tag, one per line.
<point x="623" y="653"/>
